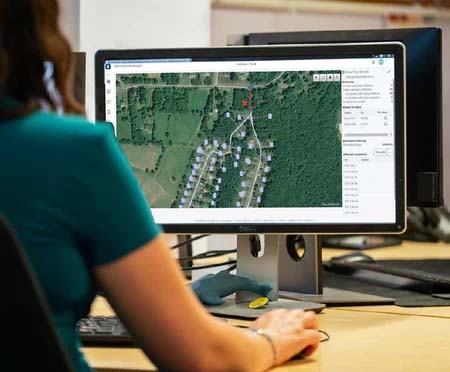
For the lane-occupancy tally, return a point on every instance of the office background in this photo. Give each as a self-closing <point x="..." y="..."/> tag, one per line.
<point x="100" y="24"/>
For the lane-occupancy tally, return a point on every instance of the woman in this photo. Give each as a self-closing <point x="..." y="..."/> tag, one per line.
<point x="75" y="205"/>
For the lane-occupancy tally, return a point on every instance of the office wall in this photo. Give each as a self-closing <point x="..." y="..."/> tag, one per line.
<point x="139" y="24"/>
<point x="70" y="21"/>
<point x="226" y="22"/>
<point x="236" y="21"/>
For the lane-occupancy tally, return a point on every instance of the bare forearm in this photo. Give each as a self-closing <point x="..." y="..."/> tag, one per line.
<point x="235" y="349"/>
<point x="148" y="292"/>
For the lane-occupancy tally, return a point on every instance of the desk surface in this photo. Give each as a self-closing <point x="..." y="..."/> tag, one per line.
<point x="369" y="338"/>
<point x="406" y="251"/>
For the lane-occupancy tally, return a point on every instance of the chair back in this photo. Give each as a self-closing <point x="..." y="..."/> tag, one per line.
<point x="28" y="338"/>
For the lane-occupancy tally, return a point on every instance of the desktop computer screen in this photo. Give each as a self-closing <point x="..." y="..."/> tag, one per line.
<point x="285" y="139"/>
<point x="424" y="98"/>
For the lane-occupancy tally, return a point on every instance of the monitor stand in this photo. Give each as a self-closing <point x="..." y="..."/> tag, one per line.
<point x="300" y="277"/>
<point x="296" y="281"/>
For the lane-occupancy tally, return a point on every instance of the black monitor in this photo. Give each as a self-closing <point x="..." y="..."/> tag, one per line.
<point x="424" y="98"/>
<point x="310" y="137"/>
<point x="79" y="84"/>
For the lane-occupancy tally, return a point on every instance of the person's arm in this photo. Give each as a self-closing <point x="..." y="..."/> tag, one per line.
<point x="148" y="291"/>
<point x="135" y="269"/>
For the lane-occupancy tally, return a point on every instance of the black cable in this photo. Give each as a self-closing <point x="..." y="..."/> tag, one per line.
<point x="208" y="266"/>
<point x="188" y="241"/>
<point x="327" y="336"/>
<point x="209" y="254"/>
<point x="217" y="251"/>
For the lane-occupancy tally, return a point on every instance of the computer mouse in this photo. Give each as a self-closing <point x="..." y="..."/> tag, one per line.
<point x="352" y="258"/>
<point x="343" y="264"/>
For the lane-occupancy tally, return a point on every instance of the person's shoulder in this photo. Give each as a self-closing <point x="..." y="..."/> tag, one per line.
<point x="69" y="127"/>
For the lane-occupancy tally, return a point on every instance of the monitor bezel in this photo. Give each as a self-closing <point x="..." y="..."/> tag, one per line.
<point x="319" y="50"/>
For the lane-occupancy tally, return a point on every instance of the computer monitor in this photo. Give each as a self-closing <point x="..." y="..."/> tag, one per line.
<point x="424" y="97"/>
<point x="270" y="140"/>
<point x="79" y="84"/>
<point x="309" y="137"/>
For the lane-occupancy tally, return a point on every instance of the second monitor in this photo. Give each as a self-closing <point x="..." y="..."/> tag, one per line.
<point x="424" y="97"/>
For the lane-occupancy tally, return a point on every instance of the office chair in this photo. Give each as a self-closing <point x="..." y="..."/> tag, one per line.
<point x="28" y="338"/>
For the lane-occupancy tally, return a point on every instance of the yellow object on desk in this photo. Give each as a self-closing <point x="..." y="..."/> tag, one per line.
<point x="258" y="303"/>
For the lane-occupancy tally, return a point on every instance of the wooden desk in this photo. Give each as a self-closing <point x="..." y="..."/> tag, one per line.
<point x="406" y="251"/>
<point x="363" y="341"/>
<point x="367" y="338"/>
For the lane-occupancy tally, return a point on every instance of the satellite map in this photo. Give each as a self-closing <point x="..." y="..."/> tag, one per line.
<point x="233" y="139"/>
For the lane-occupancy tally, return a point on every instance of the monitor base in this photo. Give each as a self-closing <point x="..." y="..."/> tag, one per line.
<point x="239" y="309"/>
<point x="338" y="297"/>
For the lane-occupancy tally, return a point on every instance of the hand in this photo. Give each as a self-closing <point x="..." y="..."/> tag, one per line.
<point x="212" y="287"/>
<point x="292" y="332"/>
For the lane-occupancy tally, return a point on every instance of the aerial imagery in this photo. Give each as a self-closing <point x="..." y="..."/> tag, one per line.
<point x="233" y="139"/>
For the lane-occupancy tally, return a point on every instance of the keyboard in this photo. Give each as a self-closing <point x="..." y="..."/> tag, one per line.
<point x="103" y="331"/>
<point x="109" y="331"/>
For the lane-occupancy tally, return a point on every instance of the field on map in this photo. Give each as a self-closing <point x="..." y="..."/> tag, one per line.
<point x="228" y="139"/>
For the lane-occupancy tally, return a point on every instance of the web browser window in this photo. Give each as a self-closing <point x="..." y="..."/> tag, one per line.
<point x="271" y="141"/>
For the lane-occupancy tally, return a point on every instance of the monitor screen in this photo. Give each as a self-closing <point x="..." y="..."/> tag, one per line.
<point x="270" y="139"/>
<point x="424" y="98"/>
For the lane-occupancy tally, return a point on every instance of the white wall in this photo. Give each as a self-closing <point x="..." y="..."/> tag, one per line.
<point x="139" y="24"/>
<point x="70" y="21"/>
<point x="240" y="21"/>
<point x="226" y="22"/>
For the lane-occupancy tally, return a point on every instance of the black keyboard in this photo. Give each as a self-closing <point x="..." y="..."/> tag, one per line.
<point x="108" y="331"/>
<point x="103" y="331"/>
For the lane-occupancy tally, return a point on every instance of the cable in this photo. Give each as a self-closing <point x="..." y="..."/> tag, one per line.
<point x="219" y="252"/>
<point x="208" y="266"/>
<point x="327" y="336"/>
<point x="188" y="241"/>
<point x="209" y="254"/>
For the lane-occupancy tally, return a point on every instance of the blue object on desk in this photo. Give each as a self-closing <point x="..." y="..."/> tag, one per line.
<point x="210" y="289"/>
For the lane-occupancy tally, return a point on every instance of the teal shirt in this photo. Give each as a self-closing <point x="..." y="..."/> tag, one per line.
<point x="74" y="203"/>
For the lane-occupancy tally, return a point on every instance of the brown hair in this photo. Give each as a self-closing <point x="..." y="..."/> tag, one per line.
<point x="29" y="36"/>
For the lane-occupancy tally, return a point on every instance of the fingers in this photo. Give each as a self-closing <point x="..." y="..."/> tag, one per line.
<point x="310" y="320"/>
<point x="309" y="343"/>
<point x="312" y="338"/>
<point x="303" y="320"/>
<point x="310" y="350"/>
